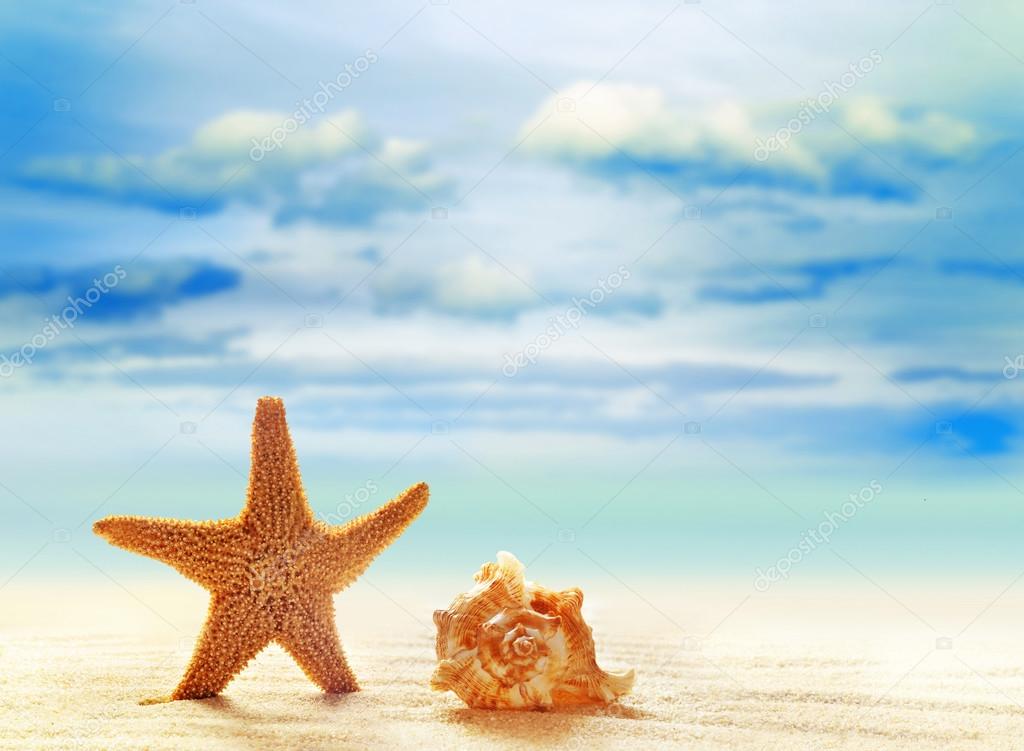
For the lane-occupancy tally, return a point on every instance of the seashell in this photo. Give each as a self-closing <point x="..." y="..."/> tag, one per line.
<point x="512" y="644"/>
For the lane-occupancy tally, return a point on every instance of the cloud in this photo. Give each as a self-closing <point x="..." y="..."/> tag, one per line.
<point x="335" y="171"/>
<point x="988" y="269"/>
<point x="944" y="373"/>
<point x="619" y="130"/>
<point x="58" y="363"/>
<point x="928" y="135"/>
<point x="812" y="281"/>
<point x="138" y="290"/>
<point x="474" y="288"/>
<point x="215" y="344"/>
<point x="469" y="287"/>
<point x="590" y="396"/>
<point x="983" y="433"/>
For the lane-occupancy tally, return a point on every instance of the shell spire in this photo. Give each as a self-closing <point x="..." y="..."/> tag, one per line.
<point x="512" y="644"/>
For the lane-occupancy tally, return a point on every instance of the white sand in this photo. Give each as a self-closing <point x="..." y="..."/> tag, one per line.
<point x="810" y="673"/>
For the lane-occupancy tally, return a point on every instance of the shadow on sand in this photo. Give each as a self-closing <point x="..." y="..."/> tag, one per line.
<point x="257" y="713"/>
<point x="551" y="727"/>
<point x="262" y="725"/>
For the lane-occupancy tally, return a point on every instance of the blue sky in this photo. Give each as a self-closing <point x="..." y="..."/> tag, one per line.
<point x="770" y="332"/>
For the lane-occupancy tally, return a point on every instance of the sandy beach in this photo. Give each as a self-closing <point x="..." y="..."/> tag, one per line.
<point x="762" y="673"/>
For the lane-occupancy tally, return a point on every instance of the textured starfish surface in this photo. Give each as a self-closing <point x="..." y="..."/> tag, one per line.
<point x="272" y="570"/>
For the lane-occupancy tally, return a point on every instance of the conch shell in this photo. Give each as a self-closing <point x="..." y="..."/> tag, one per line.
<point x="511" y="644"/>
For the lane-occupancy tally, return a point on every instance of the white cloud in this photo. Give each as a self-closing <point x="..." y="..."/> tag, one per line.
<point x="617" y="129"/>
<point x="636" y="119"/>
<point x="933" y="133"/>
<point x="466" y="287"/>
<point x="333" y="168"/>
<point x="472" y="285"/>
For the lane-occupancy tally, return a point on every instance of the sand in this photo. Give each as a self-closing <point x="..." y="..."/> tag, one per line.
<point x="758" y="673"/>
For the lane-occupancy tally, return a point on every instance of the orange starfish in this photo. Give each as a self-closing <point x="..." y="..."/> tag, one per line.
<point x="272" y="570"/>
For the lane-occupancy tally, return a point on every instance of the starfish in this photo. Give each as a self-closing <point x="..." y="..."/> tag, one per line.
<point x="272" y="570"/>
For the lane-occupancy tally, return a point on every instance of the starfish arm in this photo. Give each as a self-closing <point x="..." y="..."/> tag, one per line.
<point x="349" y="549"/>
<point x="310" y="636"/>
<point x="235" y="631"/>
<point x="276" y="502"/>
<point x="199" y="550"/>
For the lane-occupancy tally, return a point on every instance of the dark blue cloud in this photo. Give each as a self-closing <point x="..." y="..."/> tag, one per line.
<point x="853" y="177"/>
<point x="535" y="396"/>
<point x="56" y="364"/>
<point x="208" y="279"/>
<point x="318" y="175"/>
<point x="140" y="289"/>
<point x="980" y="433"/>
<point x="989" y="269"/>
<point x="943" y="373"/>
<point x="803" y="224"/>
<point x="813" y="280"/>
<point x="370" y="254"/>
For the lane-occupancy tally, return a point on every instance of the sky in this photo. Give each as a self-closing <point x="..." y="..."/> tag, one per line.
<point x="641" y="289"/>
